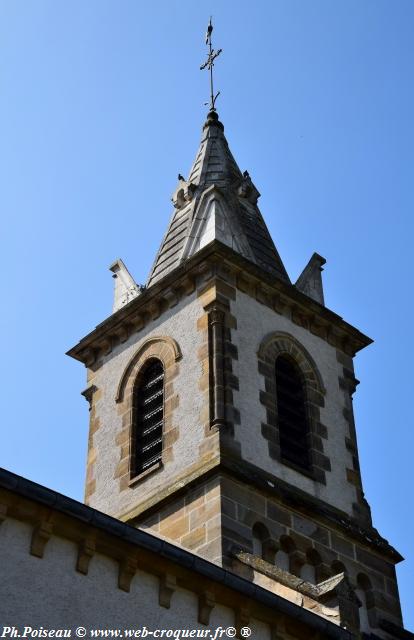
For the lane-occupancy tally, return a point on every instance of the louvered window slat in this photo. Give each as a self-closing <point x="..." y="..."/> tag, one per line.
<point x="151" y="414"/>
<point x="151" y="383"/>
<point x="291" y="412"/>
<point x="151" y="428"/>
<point x="153" y="397"/>
<point x="152" y="445"/>
<point x="149" y="417"/>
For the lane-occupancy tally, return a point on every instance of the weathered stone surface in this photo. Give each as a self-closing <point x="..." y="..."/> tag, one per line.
<point x="276" y="513"/>
<point x="229" y="507"/>
<point x="342" y="546"/>
<point x="309" y="528"/>
<point x="374" y="562"/>
<point x="176" y="529"/>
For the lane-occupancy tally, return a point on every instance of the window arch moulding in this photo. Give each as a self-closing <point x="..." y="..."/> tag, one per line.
<point x="283" y="344"/>
<point x="167" y="351"/>
<point x="164" y="348"/>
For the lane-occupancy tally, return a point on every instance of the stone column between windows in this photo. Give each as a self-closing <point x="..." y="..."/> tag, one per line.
<point x="218" y="380"/>
<point x="216" y="319"/>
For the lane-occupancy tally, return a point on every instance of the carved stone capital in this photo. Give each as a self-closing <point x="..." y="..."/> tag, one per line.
<point x="216" y="316"/>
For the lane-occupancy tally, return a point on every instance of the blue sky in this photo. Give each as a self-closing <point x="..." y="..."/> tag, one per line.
<point x="101" y="107"/>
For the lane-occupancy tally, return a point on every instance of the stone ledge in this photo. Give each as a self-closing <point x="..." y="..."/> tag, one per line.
<point x="280" y="295"/>
<point x="333" y="599"/>
<point x="138" y="478"/>
<point x="294" y="499"/>
<point x="318" y="591"/>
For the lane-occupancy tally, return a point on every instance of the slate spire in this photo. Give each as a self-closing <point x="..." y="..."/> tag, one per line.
<point x="217" y="202"/>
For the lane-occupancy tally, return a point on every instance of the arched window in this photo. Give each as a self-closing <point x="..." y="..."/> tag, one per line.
<point x="364" y="593"/>
<point x="310" y="570"/>
<point x="263" y="545"/>
<point x="284" y="554"/>
<point x="282" y="560"/>
<point x="338" y="567"/>
<point x="260" y="535"/>
<point x="291" y="413"/>
<point x="308" y="573"/>
<point x="148" y="417"/>
<point x="293" y="394"/>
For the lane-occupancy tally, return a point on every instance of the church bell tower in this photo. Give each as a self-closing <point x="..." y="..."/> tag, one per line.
<point x="221" y="408"/>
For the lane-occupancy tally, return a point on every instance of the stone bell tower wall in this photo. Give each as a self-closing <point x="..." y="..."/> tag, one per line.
<point x="215" y="518"/>
<point x="257" y="323"/>
<point x="108" y="485"/>
<point x="184" y="337"/>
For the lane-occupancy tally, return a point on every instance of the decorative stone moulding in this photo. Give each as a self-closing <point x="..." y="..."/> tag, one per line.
<point x="273" y="345"/>
<point x="88" y="394"/>
<point x="172" y="353"/>
<point x="216" y="258"/>
<point x="184" y="193"/>
<point x="247" y="189"/>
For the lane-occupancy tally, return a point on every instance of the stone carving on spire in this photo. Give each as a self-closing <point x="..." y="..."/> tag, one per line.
<point x="247" y="189"/>
<point x="184" y="193"/>
<point x="217" y="202"/>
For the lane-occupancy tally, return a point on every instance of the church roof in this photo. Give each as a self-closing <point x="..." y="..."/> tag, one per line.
<point x="118" y="540"/>
<point x="217" y="202"/>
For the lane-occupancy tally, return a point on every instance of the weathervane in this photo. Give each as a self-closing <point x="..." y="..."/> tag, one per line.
<point x="209" y="64"/>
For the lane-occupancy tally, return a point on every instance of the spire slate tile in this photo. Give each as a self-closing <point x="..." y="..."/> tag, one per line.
<point x="217" y="202"/>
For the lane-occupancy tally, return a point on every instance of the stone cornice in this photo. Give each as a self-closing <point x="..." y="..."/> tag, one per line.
<point x="218" y="260"/>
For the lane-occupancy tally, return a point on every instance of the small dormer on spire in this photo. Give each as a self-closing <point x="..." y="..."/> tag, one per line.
<point x="217" y="202"/>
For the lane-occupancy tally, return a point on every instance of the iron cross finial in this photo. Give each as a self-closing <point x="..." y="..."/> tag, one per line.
<point x="209" y="64"/>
